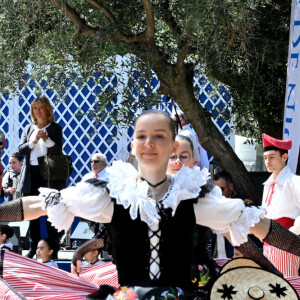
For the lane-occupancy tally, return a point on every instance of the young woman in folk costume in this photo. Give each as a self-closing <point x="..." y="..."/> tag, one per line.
<point x="150" y="212"/>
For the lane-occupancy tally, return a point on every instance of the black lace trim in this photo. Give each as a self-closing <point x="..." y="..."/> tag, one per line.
<point x="205" y="189"/>
<point x="52" y="199"/>
<point x="152" y="248"/>
<point x="99" y="183"/>
<point x="96" y="182"/>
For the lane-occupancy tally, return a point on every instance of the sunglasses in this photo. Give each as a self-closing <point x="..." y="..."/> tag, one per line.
<point x="182" y="158"/>
<point x="95" y="161"/>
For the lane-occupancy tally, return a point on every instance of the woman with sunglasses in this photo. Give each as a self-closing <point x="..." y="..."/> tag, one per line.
<point x="150" y="212"/>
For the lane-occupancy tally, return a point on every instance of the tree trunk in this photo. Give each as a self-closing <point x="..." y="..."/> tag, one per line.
<point x="181" y="89"/>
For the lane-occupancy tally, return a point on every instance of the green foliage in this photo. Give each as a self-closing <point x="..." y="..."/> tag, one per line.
<point x="240" y="43"/>
<point x="254" y="66"/>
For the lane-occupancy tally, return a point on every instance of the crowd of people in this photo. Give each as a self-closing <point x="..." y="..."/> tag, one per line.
<point x="166" y="201"/>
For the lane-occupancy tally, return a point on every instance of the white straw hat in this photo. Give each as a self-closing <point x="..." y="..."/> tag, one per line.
<point x="239" y="282"/>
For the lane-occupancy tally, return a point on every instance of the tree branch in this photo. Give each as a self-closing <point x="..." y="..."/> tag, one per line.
<point x="215" y="73"/>
<point x="150" y="21"/>
<point x="105" y="11"/>
<point x="182" y="55"/>
<point x="70" y="12"/>
<point x="133" y="38"/>
<point x="169" y="20"/>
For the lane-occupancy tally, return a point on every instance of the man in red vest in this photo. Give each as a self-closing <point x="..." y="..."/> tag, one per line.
<point x="281" y="199"/>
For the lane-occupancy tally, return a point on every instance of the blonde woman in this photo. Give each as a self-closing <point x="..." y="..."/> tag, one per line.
<point x="40" y="138"/>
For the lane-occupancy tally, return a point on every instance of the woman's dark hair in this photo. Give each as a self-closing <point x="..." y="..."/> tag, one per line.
<point x="5" y="229"/>
<point x="162" y="113"/>
<point x="180" y="137"/>
<point x="18" y="156"/>
<point x="53" y="245"/>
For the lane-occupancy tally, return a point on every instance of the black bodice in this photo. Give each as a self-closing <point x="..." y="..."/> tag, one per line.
<point x="131" y="247"/>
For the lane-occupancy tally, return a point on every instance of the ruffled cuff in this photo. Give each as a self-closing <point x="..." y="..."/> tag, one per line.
<point x="58" y="213"/>
<point x="49" y="197"/>
<point x="240" y="228"/>
<point x="60" y="217"/>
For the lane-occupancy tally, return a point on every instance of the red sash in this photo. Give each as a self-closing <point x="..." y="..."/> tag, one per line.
<point x="286" y="222"/>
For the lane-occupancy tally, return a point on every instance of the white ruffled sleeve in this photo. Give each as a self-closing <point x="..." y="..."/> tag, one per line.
<point x="227" y="215"/>
<point x="83" y="200"/>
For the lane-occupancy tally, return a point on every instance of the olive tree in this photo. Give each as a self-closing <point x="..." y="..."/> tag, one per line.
<point x="229" y="40"/>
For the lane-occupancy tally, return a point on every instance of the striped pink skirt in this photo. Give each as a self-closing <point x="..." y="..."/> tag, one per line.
<point x="287" y="263"/>
<point x="37" y="281"/>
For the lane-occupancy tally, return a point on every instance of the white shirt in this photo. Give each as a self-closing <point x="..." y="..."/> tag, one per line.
<point x="87" y="264"/>
<point x="286" y="197"/>
<point x="40" y="148"/>
<point x="6" y="177"/>
<point x="103" y="175"/>
<point x="7" y="245"/>
<point x="50" y="263"/>
<point x="15" y="176"/>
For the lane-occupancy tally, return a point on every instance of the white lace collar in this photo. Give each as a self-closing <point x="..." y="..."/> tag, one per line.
<point x="186" y="184"/>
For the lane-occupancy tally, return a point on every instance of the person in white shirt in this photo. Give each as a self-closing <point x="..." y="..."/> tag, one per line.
<point x="281" y="199"/>
<point x="91" y="258"/>
<point x="45" y="249"/>
<point x="185" y="128"/>
<point x="12" y="177"/>
<point x="42" y="137"/>
<point x="99" y="164"/>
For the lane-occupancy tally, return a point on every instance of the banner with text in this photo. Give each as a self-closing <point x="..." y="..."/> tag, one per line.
<point x="291" y="126"/>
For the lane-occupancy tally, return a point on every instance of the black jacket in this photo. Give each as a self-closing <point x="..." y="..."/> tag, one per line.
<point x="54" y="132"/>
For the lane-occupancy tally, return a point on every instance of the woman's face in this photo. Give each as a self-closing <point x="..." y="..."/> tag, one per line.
<point x="43" y="252"/>
<point x="15" y="164"/>
<point x="153" y="141"/>
<point x="40" y="111"/>
<point x="181" y="157"/>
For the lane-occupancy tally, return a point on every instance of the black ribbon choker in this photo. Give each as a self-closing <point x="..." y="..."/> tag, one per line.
<point x="154" y="185"/>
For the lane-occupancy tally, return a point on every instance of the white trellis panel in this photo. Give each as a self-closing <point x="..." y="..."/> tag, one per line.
<point x="78" y="141"/>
